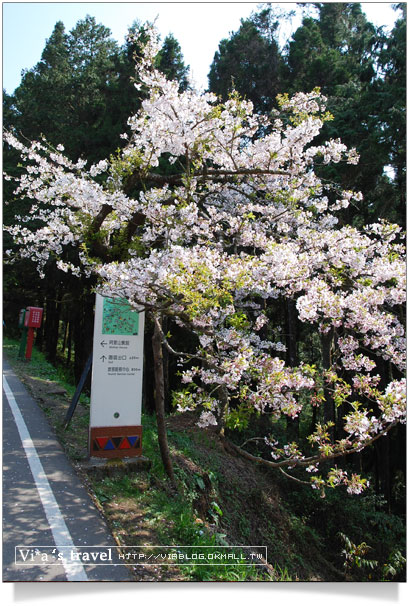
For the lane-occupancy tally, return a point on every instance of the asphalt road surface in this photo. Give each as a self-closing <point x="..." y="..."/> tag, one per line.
<point x="49" y="520"/>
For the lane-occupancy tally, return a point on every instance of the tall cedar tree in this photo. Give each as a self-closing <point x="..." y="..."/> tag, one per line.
<point x="391" y="93"/>
<point x="358" y="67"/>
<point x="250" y="62"/>
<point x="80" y="92"/>
<point x="339" y="51"/>
<point x="170" y="61"/>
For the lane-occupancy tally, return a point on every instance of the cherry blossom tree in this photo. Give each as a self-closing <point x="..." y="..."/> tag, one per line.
<point x="208" y="216"/>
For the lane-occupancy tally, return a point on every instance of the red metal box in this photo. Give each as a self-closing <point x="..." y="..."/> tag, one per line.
<point x="33" y="317"/>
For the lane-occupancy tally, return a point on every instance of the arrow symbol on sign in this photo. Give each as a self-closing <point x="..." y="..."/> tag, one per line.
<point x="103" y="343"/>
<point x="104" y="358"/>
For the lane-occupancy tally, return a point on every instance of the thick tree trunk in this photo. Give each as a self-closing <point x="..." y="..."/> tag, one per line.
<point x="51" y="325"/>
<point x="83" y="331"/>
<point x="65" y="333"/>
<point x="69" y="342"/>
<point x="166" y="367"/>
<point x="292" y="360"/>
<point x="329" y="407"/>
<point x="159" y="402"/>
<point x="149" y="405"/>
<point x="223" y="398"/>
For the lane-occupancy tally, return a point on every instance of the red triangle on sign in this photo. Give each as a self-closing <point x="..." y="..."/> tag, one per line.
<point x="101" y="442"/>
<point x="124" y="444"/>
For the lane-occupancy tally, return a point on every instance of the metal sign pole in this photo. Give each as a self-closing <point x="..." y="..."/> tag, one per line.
<point x="78" y="391"/>
<point x="23" y="342"/>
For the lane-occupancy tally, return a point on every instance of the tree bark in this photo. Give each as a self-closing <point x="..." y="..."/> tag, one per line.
<point x="65" y="333"/>
<point x="83" y="330"/>
<point x="292" y="360"/>
<point x="159" y="402"/>
<point x="166" y="368"/>
<point x="51" y="324"/>
<point x="69" y="342"/>
<point x="329" y="407"/>
<point x="223" y="397"/>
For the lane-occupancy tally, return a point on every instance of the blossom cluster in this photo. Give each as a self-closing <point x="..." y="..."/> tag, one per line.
<point x="239" y="220"/>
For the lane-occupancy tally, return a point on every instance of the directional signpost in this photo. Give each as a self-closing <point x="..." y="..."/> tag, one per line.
<point x="117" y="378"/>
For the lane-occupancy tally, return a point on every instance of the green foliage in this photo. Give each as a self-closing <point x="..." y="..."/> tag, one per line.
<point x="356" y="565"/>
<point x="198" y="299"/>
<point x="238" y="320"/>
<point x="67" y="95"/>
<point x="250" y="62"/>
<point x="339" y="51"/>
<point x="361" y="70"/>
<point x="174" y="518"/>
<point x="40" y="368"/>
<point x="299" y="116"/>
<point x="364" y="519"/>
<point x="354" y="556"/>
<point x="170" y="62"/>
<point x="390" y="94"/>
<point x="81" y="92"/>
<point x="395" y="565"/>
<point x="239" y="417"/>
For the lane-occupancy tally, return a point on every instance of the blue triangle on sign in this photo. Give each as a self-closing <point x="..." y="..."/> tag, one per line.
<point x="109" y="446"/>
<point x="133" y="440"/>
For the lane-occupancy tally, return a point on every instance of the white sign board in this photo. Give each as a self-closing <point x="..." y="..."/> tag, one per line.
<point x="117" y="374"/>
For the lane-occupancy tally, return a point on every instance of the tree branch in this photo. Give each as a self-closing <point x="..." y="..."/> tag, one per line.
<point x="100" y="217"/>
<point x="209" y="174"/>
<point x="136" y="220"/>
<point x="170" y="349"/>
<point x="309" y="460"/>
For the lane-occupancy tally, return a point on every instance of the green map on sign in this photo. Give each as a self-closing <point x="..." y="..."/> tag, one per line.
<point x="119" y="318"/>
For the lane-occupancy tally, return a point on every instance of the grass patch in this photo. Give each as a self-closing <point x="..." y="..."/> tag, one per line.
<point x="140" y="508"/>
<point x="39" y="368"/>
<point x="166" y="517"/>
<point x="53" y="392"/>
<point x="222" y="500"/>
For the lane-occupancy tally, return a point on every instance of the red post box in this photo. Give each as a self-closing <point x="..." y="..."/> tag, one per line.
<point x="32" y="320"/>
<point x="33" y="317"/>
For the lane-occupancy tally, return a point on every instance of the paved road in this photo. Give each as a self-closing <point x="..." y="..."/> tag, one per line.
<point x="45" y="503"/>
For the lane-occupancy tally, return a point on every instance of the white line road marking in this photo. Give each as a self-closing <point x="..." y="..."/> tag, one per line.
<point x="62" y="538"/>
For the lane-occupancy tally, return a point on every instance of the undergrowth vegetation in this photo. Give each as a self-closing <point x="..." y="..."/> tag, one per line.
<point x="225" y="501"/>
